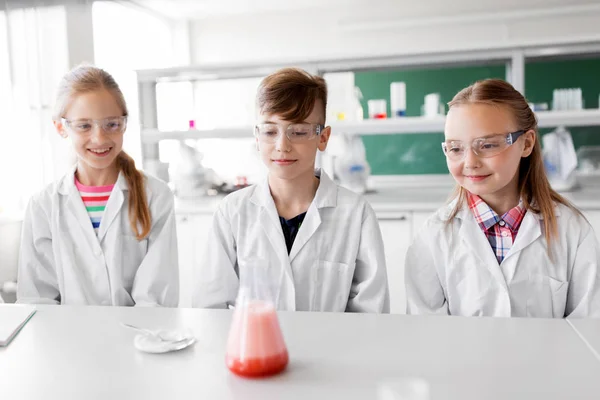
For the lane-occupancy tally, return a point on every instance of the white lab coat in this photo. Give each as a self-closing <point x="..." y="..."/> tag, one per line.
<point x="337" y="261"/>
<point x="454" y="270"/>
<point x="63" y="261"/>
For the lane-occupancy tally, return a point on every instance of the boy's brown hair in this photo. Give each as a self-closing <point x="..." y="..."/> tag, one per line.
<point x="291" y="93"/>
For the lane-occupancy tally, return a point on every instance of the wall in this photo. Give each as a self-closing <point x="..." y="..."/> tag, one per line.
<point x="367" y="28"/>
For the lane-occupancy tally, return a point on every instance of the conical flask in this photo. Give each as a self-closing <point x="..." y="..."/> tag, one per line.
<point x="255" y="346"/>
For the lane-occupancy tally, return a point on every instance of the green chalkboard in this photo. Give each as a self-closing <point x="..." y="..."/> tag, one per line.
<point x="421" y="153"/>
<point x="541" y="78"/>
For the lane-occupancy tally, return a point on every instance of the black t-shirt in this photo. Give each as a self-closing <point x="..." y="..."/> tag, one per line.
<point x="290" y="229"/>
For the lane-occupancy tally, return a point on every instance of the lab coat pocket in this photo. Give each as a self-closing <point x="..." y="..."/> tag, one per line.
<point x="547" y="297"/>
<point x="330" y="286"/>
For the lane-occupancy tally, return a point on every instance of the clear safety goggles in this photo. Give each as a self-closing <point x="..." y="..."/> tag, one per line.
<point x="485" y="147"/>
<point x="270" y="133"/>
<point x="108" y="125"/>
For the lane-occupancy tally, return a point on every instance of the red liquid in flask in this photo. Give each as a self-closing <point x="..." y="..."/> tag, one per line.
<point x="256" y="347"/>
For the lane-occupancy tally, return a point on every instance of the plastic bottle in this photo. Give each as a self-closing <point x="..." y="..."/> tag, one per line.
<point x="359" y="112"/>
<point x="351" y="165"/>
<point x="398" y="99"/>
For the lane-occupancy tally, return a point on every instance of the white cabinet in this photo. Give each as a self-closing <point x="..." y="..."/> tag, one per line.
<point x="397" y="235"/>
<point x="192" y="232"/>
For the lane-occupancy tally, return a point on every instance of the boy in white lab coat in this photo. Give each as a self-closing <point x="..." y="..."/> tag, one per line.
<point x="320" y="244"/>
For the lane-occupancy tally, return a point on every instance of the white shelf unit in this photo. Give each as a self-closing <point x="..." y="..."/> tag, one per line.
<point x="514" y="58"/>
<point x="405" y="125"/>
<point x="550" y="119"/>
<point x="150" y="136"/>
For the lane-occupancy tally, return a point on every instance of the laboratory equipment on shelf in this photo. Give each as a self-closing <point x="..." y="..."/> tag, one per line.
<point x="377" y="108"/>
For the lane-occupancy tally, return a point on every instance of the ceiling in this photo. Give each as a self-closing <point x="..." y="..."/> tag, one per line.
<point x="199" y="9"/>
<point x="386" y="9"/>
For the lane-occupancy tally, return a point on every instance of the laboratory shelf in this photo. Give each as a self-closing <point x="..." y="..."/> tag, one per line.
<point x="154" y="135"/>
<point x="404" y="125"/>
<point x="550" y="119"/>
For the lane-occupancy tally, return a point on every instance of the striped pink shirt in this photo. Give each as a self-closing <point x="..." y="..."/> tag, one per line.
<point x="95" y="199"/>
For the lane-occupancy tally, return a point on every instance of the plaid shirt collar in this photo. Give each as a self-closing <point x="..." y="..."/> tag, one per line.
<point x="487" y="218"/>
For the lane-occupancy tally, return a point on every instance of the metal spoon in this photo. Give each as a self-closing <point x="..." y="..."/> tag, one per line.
<point x="149" y="332"/>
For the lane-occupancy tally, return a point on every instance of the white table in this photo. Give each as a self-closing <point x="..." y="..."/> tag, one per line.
<point x="589" y="330"/>
<point x="83" y="353"/>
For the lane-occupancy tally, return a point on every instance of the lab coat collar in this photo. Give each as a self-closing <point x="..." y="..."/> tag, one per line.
<point x="113" y="206"/>
<point x="465" y="213"/>
<point x="67" y="183"/>
<point x="326" y="195"/>
<point x="529" y="231"/>
<point x="327" y="192"/>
